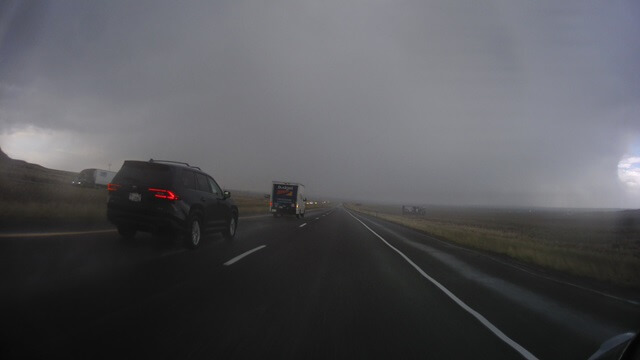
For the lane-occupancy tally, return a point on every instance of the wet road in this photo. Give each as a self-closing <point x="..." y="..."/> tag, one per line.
<point x="336" y="284"/>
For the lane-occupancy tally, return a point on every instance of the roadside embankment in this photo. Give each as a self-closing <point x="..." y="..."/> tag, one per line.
<point x="605" y="247"/>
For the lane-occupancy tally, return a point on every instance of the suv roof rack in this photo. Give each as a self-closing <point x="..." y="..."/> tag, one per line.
<point x="173" y="162"/>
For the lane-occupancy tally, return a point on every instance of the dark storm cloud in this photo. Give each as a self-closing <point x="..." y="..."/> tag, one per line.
<point x="498" y="103"/>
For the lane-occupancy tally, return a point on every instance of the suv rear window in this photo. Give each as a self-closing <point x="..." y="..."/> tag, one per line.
<point x="188" y="179"/>
<point x="203" y="183"/>
<point x="142" y="173"/>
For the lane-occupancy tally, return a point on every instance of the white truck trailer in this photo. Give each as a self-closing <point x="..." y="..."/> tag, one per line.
<point x="287" y="198"/>
<point x="94" y="178"/>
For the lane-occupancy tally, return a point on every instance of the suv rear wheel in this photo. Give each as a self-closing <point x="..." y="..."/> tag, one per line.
<point x="230" y="233"/>
<point x="193" y="233"/>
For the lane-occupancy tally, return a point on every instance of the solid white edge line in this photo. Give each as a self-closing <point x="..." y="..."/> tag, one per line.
<point x="450" y="244"/>
<point x="237" y="258"/>
<point x="302" y="225"/>
<point x="524" y="352"/>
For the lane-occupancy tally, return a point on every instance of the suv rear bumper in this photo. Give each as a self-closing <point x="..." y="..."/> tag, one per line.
<point x="288" y="211"/>
<point x="144" y="220"/>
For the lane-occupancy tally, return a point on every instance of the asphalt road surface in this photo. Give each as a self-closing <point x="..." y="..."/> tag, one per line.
<point x="336" y="284"/>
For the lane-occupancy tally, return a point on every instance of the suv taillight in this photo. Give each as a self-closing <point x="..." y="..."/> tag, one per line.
<point x="113" y="187"/>
<point x="164" y="194"/>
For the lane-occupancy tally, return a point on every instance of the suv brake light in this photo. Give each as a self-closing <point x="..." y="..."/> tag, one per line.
<point x="164" y="194"/>
<point x="113" y="187"/>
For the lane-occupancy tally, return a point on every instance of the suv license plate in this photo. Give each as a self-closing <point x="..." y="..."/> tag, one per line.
<point x="135" y="197"/>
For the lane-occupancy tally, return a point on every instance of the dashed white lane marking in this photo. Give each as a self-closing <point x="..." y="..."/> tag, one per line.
<point x="317" y="218"/>
<point x="239" y="257"/>
<point x="517" y="347"/>
<point x="303" y="225"/>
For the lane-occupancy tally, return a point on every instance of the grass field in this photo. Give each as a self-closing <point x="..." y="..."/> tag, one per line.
<point x="33" y="197"/>
<point x="599" y="244"/>
<point x="48" y="203"/>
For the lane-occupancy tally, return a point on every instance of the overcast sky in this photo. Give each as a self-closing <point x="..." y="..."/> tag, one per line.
<point x="529" y="103"/>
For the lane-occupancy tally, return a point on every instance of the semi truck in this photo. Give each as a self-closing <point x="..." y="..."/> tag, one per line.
<point x="413" y="210"/>
<point x="94" y="178"/>
<point x="287" y="198"/>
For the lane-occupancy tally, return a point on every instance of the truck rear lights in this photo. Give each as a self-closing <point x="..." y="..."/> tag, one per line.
<point x="113" y="187"/>
<point x="164" y="194"/>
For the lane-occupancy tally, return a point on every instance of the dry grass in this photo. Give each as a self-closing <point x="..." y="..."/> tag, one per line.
<point x="29" y="205"/>
<point x="250" y="203"/>
<point x="21" y="212"/>
<point x="608" y="253"/>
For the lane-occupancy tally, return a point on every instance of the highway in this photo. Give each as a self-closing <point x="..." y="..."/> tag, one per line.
<point x="336" y="284"/>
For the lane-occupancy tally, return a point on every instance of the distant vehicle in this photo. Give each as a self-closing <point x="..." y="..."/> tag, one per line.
<point x="413" y="210"/>
<point x="161" y="196"/>
<point x="287" y="198"/>
<point x="94" y="178"/>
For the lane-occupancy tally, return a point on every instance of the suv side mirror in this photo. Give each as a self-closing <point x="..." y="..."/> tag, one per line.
<point x="226" y="194"/>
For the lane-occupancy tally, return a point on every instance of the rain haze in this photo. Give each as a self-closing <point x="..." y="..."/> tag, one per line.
<point x="499" y="103"/>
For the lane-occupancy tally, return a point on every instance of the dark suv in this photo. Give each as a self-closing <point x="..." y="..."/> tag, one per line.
<point x="169" y="197"/>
